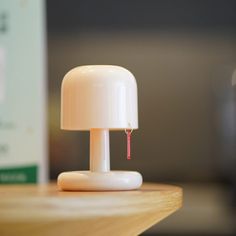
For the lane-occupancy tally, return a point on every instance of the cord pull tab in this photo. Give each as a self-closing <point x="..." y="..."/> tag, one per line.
<point x="128" y="134"/>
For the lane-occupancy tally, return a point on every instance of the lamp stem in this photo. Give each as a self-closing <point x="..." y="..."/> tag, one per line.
<point x="99" y="150"/>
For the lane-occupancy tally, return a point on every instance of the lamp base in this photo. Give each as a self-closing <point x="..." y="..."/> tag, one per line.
<point x="99" y="181"/>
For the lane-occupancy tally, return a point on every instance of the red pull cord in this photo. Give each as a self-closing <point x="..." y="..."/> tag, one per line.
<point x="128" y="133"/>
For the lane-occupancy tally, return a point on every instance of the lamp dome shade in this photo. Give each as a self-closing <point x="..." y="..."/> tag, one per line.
<point x="99" y="97"/>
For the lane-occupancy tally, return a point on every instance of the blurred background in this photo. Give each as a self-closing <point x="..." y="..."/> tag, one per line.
<point x="183" y="55"/>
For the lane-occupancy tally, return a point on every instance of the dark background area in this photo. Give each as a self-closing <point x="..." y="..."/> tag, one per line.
<point x="183" y="55"/>
<point x="74" y="15"/>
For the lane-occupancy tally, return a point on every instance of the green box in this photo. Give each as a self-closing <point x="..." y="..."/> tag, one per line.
<point x="23" y="142"/>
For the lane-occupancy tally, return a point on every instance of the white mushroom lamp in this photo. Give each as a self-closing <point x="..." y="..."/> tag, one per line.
<point x="99" y="98"/>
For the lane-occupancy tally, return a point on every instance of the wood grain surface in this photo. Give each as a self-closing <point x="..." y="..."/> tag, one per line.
<point x="44" y="210"/>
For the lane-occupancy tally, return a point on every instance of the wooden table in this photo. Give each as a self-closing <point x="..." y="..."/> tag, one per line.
<point x="43" y="210"/>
